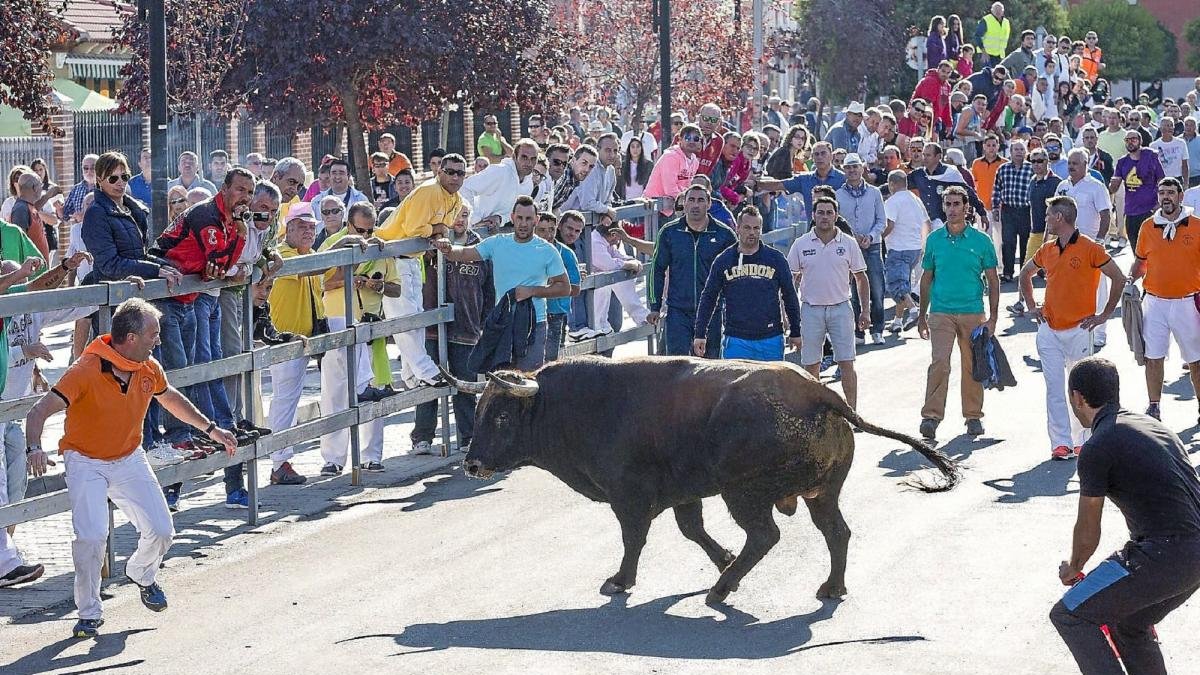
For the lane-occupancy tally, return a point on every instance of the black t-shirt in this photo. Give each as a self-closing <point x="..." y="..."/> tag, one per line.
<point x="1143" y="468"/>
<point x="382" y="191"/>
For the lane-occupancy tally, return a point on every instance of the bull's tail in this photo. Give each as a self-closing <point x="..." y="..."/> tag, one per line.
<point x="947" y="466"/>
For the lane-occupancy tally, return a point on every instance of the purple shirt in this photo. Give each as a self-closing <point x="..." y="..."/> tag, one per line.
<point x="1140" y="179"/>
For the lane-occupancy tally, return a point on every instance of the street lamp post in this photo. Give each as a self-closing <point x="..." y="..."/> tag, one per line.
<point x="664" y="62"/>
<point x="153" y="13"/>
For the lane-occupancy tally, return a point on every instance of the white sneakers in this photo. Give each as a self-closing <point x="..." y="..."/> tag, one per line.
<point x="164" y="454"/>
<point x="581" y="334"/>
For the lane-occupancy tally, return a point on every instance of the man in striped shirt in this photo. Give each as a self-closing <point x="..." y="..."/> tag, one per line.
<point x="1010" y="204"/>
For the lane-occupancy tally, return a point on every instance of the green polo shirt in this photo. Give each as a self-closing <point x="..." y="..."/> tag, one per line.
<point x="958" y="263"/>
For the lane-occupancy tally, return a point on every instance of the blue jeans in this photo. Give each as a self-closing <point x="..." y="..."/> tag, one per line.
<point x="210" y="397"/>
<point x="874" y="257"/>
<point x="464" y="404"/>
<point x="178" y="348"/>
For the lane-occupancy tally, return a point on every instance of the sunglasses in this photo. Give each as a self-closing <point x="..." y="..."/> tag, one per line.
<point x="558" y="162"/>
<point x="368" y="230"/>
<point x="710" y="118"/>
<point x="692" y="138"/>
<point x="123" y="177"/>
<point x="455" y="173"/>
<point x="1053" y="148"/>
<point x="1039" y="160"/>
<point x="534" y="127"/>
<point x="176" y="202"/>
<point x="331" y="212"/>
<point x="489" y="124"/>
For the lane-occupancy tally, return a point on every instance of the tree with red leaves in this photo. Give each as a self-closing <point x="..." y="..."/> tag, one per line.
<point x="712" y="53"/>
<point x="29" y="29"/>
<point x="364" y="63"/>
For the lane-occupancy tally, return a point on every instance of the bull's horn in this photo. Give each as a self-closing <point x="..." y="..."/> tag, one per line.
<point x="524" y="387"/>
<point x="465" y="386"/>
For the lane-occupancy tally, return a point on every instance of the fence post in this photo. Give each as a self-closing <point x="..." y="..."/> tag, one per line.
<point x="444" y="359"/>
<point x="351" y="374"/>
<point x="651" y="235"/>
<point x="251" y="400"/>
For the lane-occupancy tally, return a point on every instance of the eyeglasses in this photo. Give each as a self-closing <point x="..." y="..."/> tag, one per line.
<point x="177" y="202"/>
<point x="89" y="167"/>
<point x="331" y="212"/>
<point x="557" y="162"/>
<point x="123" y="177"/>
<point x="379" y="165"/>
<point x="455" y="173"/>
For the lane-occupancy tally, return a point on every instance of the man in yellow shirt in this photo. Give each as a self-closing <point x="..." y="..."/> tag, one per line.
<point x="366" y="295"/>
<point x="426" y="212"/>
<point x="296" y="307"/>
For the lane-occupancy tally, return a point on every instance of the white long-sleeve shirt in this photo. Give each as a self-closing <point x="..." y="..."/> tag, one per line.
<point x="493" y="191"/>
<point x="607" y="257"/>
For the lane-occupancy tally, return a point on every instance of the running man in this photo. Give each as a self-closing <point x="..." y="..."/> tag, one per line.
<point x="106" y="393"/>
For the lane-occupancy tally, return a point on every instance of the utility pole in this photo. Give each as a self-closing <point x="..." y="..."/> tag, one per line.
<point x="153" y="13"/>
<point x="664" y="60"/>
<point x="759" y="90"/>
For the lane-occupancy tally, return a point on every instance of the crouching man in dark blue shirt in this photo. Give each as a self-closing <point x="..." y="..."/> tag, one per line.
<point x="753" y="279"/>
<point x="1143" y="468"/>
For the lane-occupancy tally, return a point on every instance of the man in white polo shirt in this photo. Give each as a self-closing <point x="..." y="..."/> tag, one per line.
<point x="822" y="261"/>
<point x="1094" y="215"/>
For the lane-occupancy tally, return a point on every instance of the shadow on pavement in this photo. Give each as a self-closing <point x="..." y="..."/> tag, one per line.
<point x="642" y="630"/>
<point x="903" y="461"/>
<point x="48" y="658"/>
<point x="1051" y="478"/>
<point x="443" y="486"/>
<point x="1181" y="388"/>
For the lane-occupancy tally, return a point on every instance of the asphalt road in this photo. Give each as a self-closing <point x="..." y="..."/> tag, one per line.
<point x="452" y="575"/>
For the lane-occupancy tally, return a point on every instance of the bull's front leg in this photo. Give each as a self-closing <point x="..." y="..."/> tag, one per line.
<point x="635" y="523"/>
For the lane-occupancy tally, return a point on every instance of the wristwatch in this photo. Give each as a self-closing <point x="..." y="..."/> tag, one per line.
<point x="211" y="425"/>
<point x="30" y="449"/>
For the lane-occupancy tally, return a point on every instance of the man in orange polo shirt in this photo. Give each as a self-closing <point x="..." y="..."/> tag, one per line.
<point x="1073" y="263"/>
<point x="1168" y="256"/>
<point x="106" y="393"/>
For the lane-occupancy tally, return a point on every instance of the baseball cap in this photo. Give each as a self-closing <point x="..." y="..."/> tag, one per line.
<point x="1024" y="130"/>
<point x="302" y="211"/>
<point x="852" y="159"/>
<point x="855" y="107"/>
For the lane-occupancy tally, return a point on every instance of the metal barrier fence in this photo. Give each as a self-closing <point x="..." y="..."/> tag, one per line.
<point x="47" y="495"/>
<point x="23" y="150"/>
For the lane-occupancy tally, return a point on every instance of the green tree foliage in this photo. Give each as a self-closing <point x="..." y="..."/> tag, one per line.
<point x="829" y="29"/>
<point x="1191" y="35"/>
<point x="1135" y="44"/>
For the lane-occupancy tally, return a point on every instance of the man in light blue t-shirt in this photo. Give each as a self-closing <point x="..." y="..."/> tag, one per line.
<point x="522" y="263"/>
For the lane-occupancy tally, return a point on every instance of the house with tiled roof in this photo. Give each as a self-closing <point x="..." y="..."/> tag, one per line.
<point x="93" y="60"/>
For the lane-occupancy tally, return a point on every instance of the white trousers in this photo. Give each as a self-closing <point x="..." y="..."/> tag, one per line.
<point x="131" y="485"/>
<point x="1059" y="350"/>
<point x="334" y="399"/>
<point x="12" y="488"/>
<point x="631" y="302"/>
<point x="287" y="383"/>
<point x="415" y="363"/>
<point x="1102" y="300"/>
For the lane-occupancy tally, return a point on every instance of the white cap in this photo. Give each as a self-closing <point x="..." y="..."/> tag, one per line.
<point x="856" y="108"/>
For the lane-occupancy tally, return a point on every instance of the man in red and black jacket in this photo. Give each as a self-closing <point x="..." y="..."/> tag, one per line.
<point x="712" y="141"/>
<point x="206" y="239"/>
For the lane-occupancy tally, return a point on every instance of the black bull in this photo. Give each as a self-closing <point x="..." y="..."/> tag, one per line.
<point x="647" y="434"/>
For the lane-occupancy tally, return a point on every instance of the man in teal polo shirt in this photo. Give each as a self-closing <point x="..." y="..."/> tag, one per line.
<point x="957" y="258"/>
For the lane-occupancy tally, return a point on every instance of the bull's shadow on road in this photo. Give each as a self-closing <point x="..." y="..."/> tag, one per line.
<point x="641" y="630"/>
<point x="901" y="462"/>
<point x="1051" y="478"/>
<point x="444" y="486"/>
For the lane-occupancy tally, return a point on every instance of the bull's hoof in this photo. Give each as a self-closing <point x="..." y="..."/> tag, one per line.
<point x="716" y="596"/>
<point x="726" y="560"/>
<point x="787" y="505"/>
<point x="830" y="590"/>
<point x="611" y="587"/>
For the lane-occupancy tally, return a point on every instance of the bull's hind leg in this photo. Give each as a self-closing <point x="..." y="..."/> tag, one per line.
<point x="753" y="514"/>
<point x="635" y="523"/>
<point x="690" y="517"/>
<point x="827" y="516"/>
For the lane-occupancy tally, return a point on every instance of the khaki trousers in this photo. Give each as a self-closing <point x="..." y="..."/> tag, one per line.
<point x="944" y="331"/>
